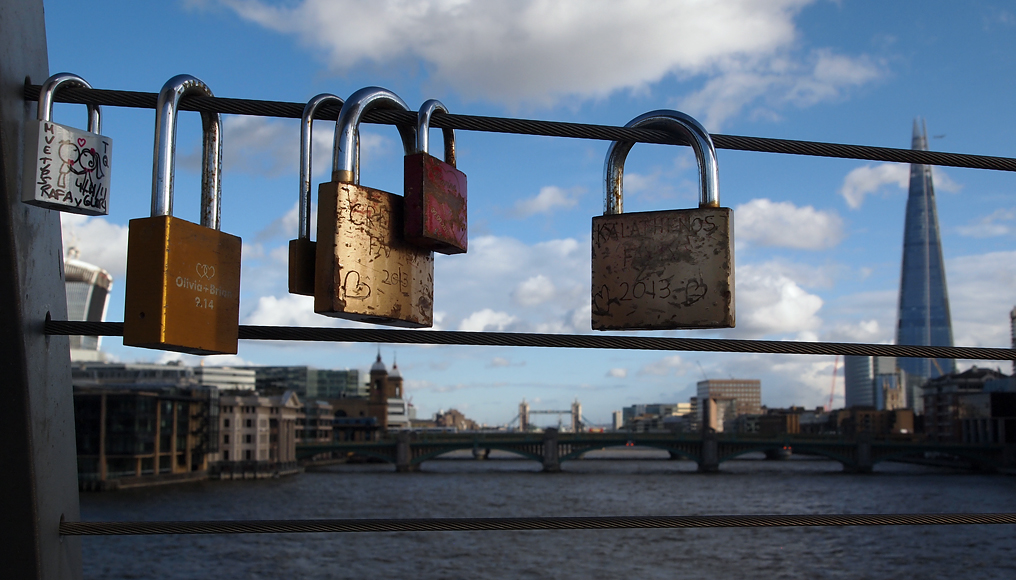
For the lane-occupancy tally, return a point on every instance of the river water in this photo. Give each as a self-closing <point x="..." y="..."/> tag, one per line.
<point x="612" y="485"/>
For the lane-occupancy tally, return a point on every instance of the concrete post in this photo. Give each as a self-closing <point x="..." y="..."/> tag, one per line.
<point x="551" y="459"/>
<point x="404" y="454"/>
<point x="39" y="486"/>
<point x="709" y="461"/>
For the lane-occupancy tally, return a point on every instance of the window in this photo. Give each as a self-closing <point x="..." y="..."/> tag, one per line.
<point x="250" y="422"/>
<point x="225" y="438"/>
<point x="247" y="454"/>
<point x="225" y="455"/>
<point x="248" y="438"/>
<point x="225" y="423"/>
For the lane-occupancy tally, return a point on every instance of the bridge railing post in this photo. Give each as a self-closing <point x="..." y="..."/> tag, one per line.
<point x="551" y="458"/>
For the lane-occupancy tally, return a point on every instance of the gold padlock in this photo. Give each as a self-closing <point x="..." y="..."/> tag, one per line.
<point x="662" y="270"/>
<point x="183" y="279"/>
<point x="302" y="251"/>
<point x="365" y="268"/>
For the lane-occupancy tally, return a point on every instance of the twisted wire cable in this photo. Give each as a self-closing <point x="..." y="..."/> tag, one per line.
<point x="291" y="110"/>
<point x="590" y="341"/>
<point x="506" y="524"/>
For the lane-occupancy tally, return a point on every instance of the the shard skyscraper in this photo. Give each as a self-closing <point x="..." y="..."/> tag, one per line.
<point x="924" y="299"/>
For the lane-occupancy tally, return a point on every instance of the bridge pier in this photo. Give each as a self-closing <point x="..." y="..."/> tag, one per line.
<point x="864" y="463"/>
<point x="551" y="458"/>
<point x="710" y="457"/>
<point x="404" y="454"/>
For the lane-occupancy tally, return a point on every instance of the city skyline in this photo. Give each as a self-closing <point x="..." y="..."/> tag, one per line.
<point x="816" y="239"/>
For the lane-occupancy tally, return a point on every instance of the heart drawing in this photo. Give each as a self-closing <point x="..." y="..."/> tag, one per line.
<point x="205" y="271"/>
<point x="358" y="290"/>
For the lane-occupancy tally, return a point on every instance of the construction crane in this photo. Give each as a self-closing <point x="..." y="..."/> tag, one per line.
<point x="832" y="389"/>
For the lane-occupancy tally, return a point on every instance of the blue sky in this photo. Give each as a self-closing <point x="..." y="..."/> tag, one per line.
<point x="818" y="241"/>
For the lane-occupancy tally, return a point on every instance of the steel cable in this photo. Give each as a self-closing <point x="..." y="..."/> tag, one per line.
<point x="533" y="127"/>
<point x="448" y="337"/>
<point x="507" y="524"/>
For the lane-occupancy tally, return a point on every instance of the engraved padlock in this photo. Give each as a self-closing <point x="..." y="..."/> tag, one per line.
<point x="183" y="279"/>
<point x="302" y="251"/>
<point x="366" y="270"/>
<point x="435" y="191"/>
<point x="662" y="270"/>
<point x="66" y="169"/>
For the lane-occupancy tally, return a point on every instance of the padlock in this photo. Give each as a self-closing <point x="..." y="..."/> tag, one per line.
<point x="183" y="279"/>
<point x="66" y="169"/>
<point x="662" y="270"/>
<point x="302" y="251"/>
<point x="366" y="270"/>
<point x="435" y="191"/>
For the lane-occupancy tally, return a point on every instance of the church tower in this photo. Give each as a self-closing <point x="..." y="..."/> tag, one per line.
<point x="378" y="403"/>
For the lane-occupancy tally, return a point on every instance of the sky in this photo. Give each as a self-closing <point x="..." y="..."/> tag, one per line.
<point x="818" y="242"/>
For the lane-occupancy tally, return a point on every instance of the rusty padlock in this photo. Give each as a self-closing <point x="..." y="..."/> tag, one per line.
<point x="662" y="270"/>
<point x="66" y="169"/>
<point x="435" y="191"/>
<point x="366" y="270"/>
<point x="183" y="279"/>
<point x="302" y="251"/>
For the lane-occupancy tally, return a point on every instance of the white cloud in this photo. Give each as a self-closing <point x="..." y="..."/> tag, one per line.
<point x="982" y="292"/>
<point x="869" y="179"/>
<point x="662" y="367"/>
<point x="992" y="225"/>
<point x="538" y="52"/>
<point x="863" y="331"/>
<point x="776" y="79"/>
<point x="782" y="224"/>
<point x="488" y="320"/>
<point x="769" y="302"/>
<point x="617" y="373"/>
<point x="499" y="362"/>
<point x="535" y="290"/>
<point x="550" y="198"/>
<point x="98" y="241"/>
<point x="290" y="310"/>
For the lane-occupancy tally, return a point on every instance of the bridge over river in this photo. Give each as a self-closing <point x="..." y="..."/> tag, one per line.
<point x="407" y="450"/>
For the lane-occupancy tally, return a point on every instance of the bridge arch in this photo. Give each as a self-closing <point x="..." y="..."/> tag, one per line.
<point x="578" y="453"/>
<point x="510" y="449"/>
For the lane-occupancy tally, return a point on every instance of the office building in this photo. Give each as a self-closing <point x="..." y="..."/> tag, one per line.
<point x="87" y="288"/>
<point x="857" y="382"/>
<point x="309" y="382"/>
<point x="259" y="435"/>
<point x="746" y="392"/>
<point x="923" y="314"/>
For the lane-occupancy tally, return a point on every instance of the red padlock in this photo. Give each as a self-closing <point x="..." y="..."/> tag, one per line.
<point x="435" y="192"/>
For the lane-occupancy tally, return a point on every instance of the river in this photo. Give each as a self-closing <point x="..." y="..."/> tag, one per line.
<point x="635" y="483"/>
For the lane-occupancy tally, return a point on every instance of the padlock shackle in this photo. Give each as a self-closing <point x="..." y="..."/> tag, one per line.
<point x="673" y="122"/>
<point x="64" y="79"/>
<point x="306" y="150"/>
<point x="163" y="167"/>
<point x="423" y="131"/>
<point x="345" y="162"/>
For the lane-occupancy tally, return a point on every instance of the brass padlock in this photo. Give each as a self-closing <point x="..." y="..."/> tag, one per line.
<point x="66" y="169"/>
<point x="366" y="270"/>
<point x="302" y="251"/>
<point x="435" y="191"/>
<point x="662" y="270"/>
<point x="183" y="279"/>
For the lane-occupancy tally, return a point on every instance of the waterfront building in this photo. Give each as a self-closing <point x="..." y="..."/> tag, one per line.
<point x="137" y="434"/>
<point x="314" y="424"/>
<point x="988" y="417"/>
<point x="923" y="313"/>
<point x="746" y="392"/>
<point x="877" y="423"/>
<point x="943" y="399"/>
<point x="87" y="287"/>
<point x="617" y="420"/>
<point x="258" y="435"/>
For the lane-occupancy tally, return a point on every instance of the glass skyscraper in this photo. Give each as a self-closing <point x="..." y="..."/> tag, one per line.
<point x="924" y="300"/>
